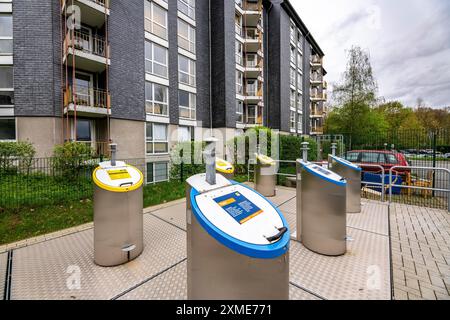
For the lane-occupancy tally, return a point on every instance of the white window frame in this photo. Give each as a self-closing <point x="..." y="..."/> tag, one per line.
<point x="152" y="61"/>
<point x="190" y="4"/>
<point x="293" y="77"/>
<point x="293" y="97"/>
<point x="247" y="85"/>
<point x="191" y="73"/>
<point x="8" y="89"/>
<point x="299" y="101"/>
<point x="191" y="36"/>
<point x="154" y="172"/>
<point x="153" y="141"/>
<point x="151" y="20"/>
<point x="153" y="101"/>
<point x="192" y="108"/>
<point x="293" y="55"/>
<point x="299" y="121"/>
<point x="292" y="120"/>
<point x="255" y="60"/>
<point x="299" y="81"/>
<point x="191" y="131"/>
<point x="239" y="53"/>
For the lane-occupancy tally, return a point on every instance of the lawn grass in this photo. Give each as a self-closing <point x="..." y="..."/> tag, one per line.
<point x="17" y="224"/>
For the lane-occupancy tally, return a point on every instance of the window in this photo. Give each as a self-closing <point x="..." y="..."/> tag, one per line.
<point x="188" y="104"/>
<point x="239" y="82"/>
<point x="239" y="49"/>
<point x="299" y="40"/>
<point x="299" y="102"/>
<point x="370" y="157"/>
<point x="299" y="81"/>
<point x="6" y="34"/>
<point x="156" y="99"/>
<point x="293" y="77"/>
<point x="155" y="19"/>
<point x="157" y="172"/>
<point x="7" y="129"/>
<point x="84" y="130"/>
<point x="187" y="7"/>
<point x="186" y="36"/>
<point x="6" y="98"/>
<point x="391" y="159"/>
<point x="292" y="120"/>
<point x="251" y="114"/>
<point x="352" y="156"/>
<point x="185" y="134"/>
<point x="299" y="121"/>
<point x="156" y="138"/>
<point x="156" y="59"/>
<point x="293" y="99"/>
<point x="186" y="70"/>
<point x="293" y="54"/>
<point x="293" y="33"/>
<point x="300" y="61"/>
<point x="252" y="88"/>
<point x="252" y="60"/>
<point x="6" y="77"/>
<point x="238" y="24"/>
<point x="240" y="111"/>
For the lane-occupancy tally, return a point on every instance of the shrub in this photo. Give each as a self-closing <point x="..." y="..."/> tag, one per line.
<point x="72" y="159"/>
<point x="185" y="165"/>
<point x="16" y="156"/>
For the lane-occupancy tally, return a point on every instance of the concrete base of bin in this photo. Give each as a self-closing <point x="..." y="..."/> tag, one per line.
<point x="118" y="224"/>
<point x="215" y="272"/>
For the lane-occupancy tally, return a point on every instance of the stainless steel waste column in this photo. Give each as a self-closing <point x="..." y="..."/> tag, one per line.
<point x="352" y="173"/>
<point x="118" y="217"/>
<point x="323" y="210"/>
<point x="265" y="175"/>
<point x="225" y="168"/>
<point x="237" y="243"/>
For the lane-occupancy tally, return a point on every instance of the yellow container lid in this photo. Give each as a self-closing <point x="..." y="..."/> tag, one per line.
<point x="120" y="178"/>
<point x="263" y="159"/>
<point x="223" y="166"/>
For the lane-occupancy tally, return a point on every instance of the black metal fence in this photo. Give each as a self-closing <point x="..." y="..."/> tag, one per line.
<point x="413" y="148"/>
<point x="48" y="181"/>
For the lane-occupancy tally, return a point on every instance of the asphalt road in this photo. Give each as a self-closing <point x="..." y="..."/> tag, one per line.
<point x="442" y="179"/>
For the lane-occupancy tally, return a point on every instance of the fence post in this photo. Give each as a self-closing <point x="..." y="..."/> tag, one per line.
<point x="182" y="166"/>
<point x="448" y="193"/>
<point x="434" y="162"/>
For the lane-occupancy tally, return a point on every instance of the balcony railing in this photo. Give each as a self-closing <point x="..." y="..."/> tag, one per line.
<point x="317" y="113"/>
<point x="252" y="34"/>
<point x="99" y="148"/>
<point x="103" y="3"/>
<point x="316" y="129"/>
<point x="319" y="95"/>
<point x="238" y="29"/>
<point x="316" y="78"/>
<point x="84" y="42"/>
<point x="88" y="97"/>
<point x="315" y="59"/>
<point x="251" y="6"/>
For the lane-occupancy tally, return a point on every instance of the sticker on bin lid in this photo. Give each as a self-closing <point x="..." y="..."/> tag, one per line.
<point x="323" y="173"/>
<point x="119" y="178"/>
<point x="265" y="159"/>
<point x="345" y="163"/>
<point x="223" y="166"/>
<point x="243" y="220"/>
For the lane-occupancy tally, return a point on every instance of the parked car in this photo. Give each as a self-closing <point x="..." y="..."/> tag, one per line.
<point x="447" y="155"/>
<point x="386" y="159"/>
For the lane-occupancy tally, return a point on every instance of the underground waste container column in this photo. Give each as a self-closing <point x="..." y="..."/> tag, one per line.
<point x="118" y="217"/>
<point x="322" y="216"/>
<point x="237" y="243"/>
<point x="352" y="173"/>
<point x="225" y="168"/>
<point x="265" y="175"/>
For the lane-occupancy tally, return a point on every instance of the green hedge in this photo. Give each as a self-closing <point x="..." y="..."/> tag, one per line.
<point x="16" y="156"/>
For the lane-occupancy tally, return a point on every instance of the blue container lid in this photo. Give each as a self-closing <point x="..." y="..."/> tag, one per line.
<point x="242" y="220"/>
<point x="346" y="163"/>
<point x="323" y="173"/>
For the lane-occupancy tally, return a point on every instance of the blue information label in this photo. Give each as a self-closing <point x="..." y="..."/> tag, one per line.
<point x="239" y="207"/>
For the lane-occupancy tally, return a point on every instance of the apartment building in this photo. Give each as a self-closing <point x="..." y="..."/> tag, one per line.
<point x="296" y="84"/>
<point x="144" y="73"/>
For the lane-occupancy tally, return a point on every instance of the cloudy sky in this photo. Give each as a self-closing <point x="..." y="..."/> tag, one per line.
<point x="408" y="41"/>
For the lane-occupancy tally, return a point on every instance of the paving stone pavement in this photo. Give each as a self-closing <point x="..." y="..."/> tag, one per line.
<point x="420" y="239"/>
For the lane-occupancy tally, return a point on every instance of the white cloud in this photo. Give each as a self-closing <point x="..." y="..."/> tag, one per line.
<point x="408" y="40"/>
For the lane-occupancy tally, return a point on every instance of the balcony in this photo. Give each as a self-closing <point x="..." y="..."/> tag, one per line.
<point x="253" y="115"/>
<point x="325" y="85"/>
<point x="92" y="11"/>
<point x="316" y="79"/>
<point x="252" y="39"/>
<point x="253" y="68"/>
<point x="318" y="96"/>
<point x="316" y="130"/>
<point x="90" y="51"/>
<point x="316" y="61"/>
<point x="252" y="12"/>
<point x="88" y="101"/>
<point x="317" y="113"/>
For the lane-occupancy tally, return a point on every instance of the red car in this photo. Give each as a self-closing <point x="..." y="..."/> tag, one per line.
<point x="386" y="159"/>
